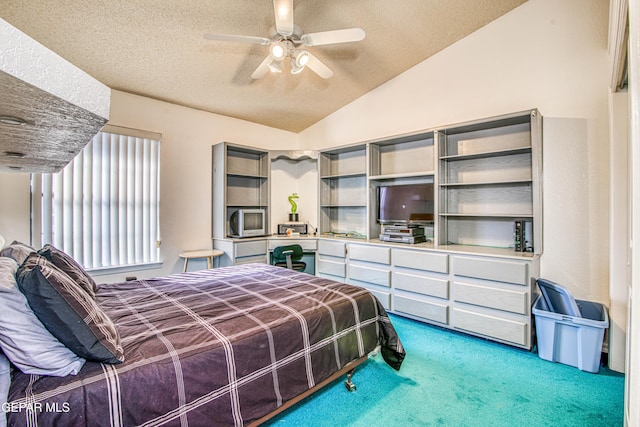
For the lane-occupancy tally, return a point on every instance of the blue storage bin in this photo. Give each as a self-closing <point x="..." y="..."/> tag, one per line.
<point x="571" y="340"/>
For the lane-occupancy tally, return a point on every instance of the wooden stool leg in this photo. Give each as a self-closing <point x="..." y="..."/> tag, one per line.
<point x="209" y="262"/>
<point x="186" y="262"/>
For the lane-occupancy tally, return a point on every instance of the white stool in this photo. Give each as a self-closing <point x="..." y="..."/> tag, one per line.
<point x="209" y="254"/>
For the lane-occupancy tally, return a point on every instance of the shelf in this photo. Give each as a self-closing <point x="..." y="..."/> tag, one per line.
<point x="241" y="161"/>
<point x="402" y="175"/>
<point x="487" y="154"/>
<point x="343" y="206"/>
<point x="488" y="178"/>
<point x="344" y="175"/>
<point x="484" y="215"/>
<point x="487" y="183"/>
<point x="397" y="157"/>
<point x="347" y="161"/>
<point x="240" y="181"/>
<point x="244" y="175"/>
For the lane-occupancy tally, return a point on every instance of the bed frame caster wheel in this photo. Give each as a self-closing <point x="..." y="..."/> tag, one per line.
<point x="348" y="384"/>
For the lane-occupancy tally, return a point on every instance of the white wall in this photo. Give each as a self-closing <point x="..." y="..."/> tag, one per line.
<point x="14" y="207"/>
<point x="619" y="258"/>
<point x="294" y="176"/>
<point x="545" y="54"/>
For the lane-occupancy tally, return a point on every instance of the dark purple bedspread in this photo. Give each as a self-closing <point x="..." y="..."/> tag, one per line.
<point x="215" y="347"/>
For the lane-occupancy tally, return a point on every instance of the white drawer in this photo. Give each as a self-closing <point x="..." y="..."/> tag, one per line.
<point x="420" y="260"/>
<point x="513" y="300"/>
<point x="421" y="284"/>
<point x="250" y="259"/>
<point x="331" y="248"/>
<point x="254" y="247"/>
<point x="308" y="245"/>
<point x="332" y="268"/>
<point x="509" y="330"/>
<point x="370" y="275"/>
<point x="425" y="309"/>
<point x="370" y="253"/>
<point x="491" y="269"/>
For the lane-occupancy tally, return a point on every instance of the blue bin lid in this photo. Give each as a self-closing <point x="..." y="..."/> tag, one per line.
<point x="558" y="299"/>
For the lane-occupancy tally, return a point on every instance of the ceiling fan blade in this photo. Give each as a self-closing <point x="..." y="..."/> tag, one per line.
<point x="241" y="39"/>
<point x="262" y="69"/>
<point x="331" y="37"/>
<point x="284" y="16"/>
<point x="318" y="67"/>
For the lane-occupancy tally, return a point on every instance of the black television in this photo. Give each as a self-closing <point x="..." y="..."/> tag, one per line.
<point x="405" y="204"/>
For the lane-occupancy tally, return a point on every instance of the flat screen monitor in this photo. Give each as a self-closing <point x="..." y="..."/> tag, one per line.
<point x="403" y="204"/>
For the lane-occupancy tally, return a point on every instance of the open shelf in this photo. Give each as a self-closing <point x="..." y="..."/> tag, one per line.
<point x="342" y="190"/>
<point x="403" y="157"/>
<point x="489" y="179"/>
<point x="240" y="181"/>
<point x="343" y="162"/>
<point x="487" y="183"/>
<point x="491" y="154"/>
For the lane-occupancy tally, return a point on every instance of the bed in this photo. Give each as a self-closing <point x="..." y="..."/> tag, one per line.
<point x="229" y="346"/>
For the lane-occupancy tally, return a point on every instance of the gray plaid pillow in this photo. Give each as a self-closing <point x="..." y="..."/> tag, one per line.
<point x="68" y="311"/>
<point x="70" y="266"/>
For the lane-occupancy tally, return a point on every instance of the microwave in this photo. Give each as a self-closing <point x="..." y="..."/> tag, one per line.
<point x="248" y="223"/>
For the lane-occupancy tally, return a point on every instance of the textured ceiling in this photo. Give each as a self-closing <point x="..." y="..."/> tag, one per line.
<point x="156" y="48"/>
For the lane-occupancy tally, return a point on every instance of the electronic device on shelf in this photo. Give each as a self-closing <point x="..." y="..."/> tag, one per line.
<point x="405" y="204"/>
<point x="403" y="233"/>
<point x="295" y="227"/>
<point x="403" y="238"/>
<point x="248" y="223"/>
<point x="523" y="236"/>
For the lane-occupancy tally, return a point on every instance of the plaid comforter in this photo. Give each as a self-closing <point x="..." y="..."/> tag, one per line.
<point x="216" y="347"/>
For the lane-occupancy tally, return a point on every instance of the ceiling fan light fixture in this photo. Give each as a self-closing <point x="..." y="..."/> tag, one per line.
<point x="274" y="66"/>
<point x="295" y="69"/>
<point x="298" y="61"/>
<point x="278" y="50"/>
<point x="302" y="57"/>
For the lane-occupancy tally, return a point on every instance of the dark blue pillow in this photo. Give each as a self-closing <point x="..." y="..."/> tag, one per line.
<point x="68" y="311"/>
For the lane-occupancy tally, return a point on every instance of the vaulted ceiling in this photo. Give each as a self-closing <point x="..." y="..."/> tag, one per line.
<point x="156" y="48"/>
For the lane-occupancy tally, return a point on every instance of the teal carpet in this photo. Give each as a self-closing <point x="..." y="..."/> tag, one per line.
<point x="450" y="379"/>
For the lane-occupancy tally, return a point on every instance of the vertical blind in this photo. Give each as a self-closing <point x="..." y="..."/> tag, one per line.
<point x="102" y="208"/>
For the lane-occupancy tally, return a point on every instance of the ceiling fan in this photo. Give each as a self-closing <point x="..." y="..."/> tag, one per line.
<point x="288" y="42"/>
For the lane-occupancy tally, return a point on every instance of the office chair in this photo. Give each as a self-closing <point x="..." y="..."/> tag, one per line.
<point x="289" y="257"/>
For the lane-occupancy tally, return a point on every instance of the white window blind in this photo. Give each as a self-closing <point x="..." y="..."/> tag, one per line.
<point x="102" y="208"/>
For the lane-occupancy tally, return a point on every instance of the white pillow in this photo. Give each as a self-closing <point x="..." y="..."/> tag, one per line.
<point x="23" y="338"/>
<point x="17" y="250"/>
<point x="5" y="382"/>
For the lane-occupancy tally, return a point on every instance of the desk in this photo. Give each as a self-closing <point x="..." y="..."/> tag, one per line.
<point x="209" y="254"/>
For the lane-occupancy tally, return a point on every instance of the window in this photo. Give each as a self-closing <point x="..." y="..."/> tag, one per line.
<point x="102" y="208"/>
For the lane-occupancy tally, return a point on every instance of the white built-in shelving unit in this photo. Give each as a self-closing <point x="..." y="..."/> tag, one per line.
<point x="240" y="181"/>
<point x="402" y="160"/>
<point x="342" y="192"/>
<point x="489" y="177"/>
<point x="486" y="175"/>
